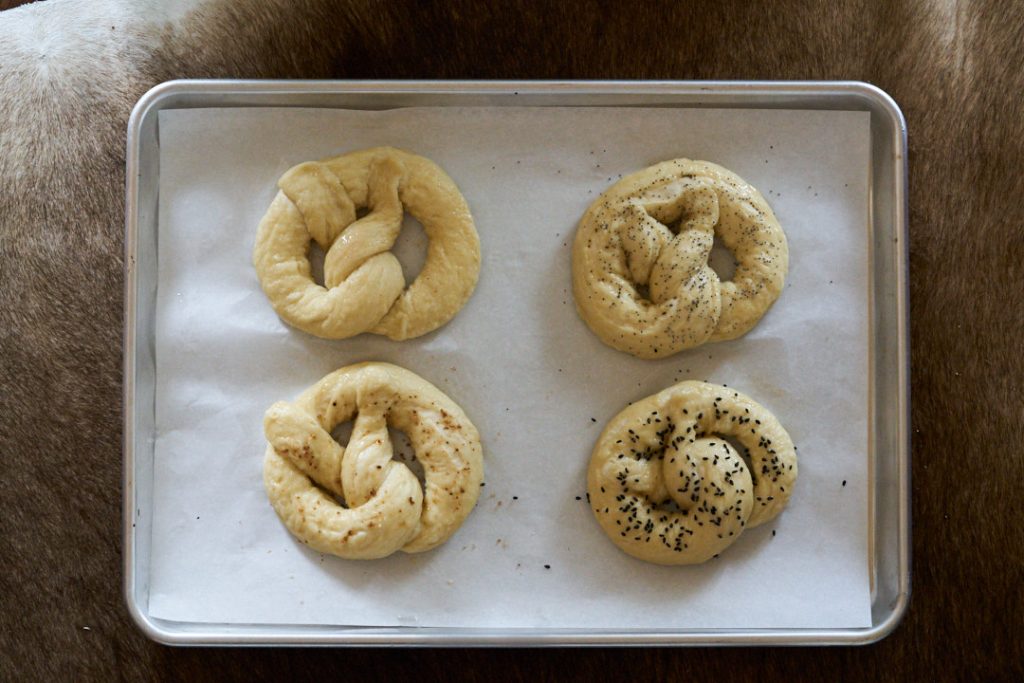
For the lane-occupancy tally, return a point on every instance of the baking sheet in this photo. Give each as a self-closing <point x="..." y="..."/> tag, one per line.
<point x="536" y="382"/>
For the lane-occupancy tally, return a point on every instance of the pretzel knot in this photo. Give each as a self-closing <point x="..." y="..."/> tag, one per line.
<point x="667" y="487"/>
<point x="649" y="291"/>
<point x="364" y="286"/>
<point x="385" y="508"/>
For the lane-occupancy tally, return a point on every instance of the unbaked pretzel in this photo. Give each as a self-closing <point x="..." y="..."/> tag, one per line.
<point x="623" y="246"/>
<point x="365" y="288"/>
<point x="669" y="449"/>
<point x="385" y="507"/>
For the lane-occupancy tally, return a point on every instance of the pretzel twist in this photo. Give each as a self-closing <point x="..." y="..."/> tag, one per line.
<point x="364" y="286"/>
<point x="651" y="293"/>
<point x="385" y="509"/>
<point x="667" y="487"/>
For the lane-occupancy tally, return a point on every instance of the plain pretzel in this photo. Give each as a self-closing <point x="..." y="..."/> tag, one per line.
<point x="364" y="288"/>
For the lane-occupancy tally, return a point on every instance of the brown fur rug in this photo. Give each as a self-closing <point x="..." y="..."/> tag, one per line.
<point x="70" y="72"/>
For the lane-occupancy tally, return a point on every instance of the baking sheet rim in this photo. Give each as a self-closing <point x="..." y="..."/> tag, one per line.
<point x="707" y="94"/>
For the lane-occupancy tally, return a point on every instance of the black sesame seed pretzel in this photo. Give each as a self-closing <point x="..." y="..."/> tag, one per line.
<point x="668" y="488"/>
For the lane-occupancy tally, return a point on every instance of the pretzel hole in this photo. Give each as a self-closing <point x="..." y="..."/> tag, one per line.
<point x="402" y="450"/>
<point x="668" y="506"/>
<point x="405" y="454"/>
<point x="722" y="260"/>
<point x="742" y="450"/>
<point x="411" y="247"/>
<point x="674" y="226"/>
<point x="316" y="257"/>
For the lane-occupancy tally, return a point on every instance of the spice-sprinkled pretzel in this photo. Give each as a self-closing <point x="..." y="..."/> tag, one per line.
<point x="365" y="288"/>
<point x="624" y="247"/>
<point x="667" y="488"/>
<point x="386" y="508"/>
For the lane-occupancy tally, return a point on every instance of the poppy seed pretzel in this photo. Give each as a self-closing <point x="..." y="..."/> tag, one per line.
<point x="364" y="286"/>
<point x="387" y="510"/>
<point x="623" y="246"/>
<point x="668" y="448"/>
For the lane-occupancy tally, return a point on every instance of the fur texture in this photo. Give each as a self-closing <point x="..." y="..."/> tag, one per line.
<point x="70" y="71"/>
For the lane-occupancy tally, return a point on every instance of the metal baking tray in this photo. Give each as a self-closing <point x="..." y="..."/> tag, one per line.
<point x="889" y="443"/>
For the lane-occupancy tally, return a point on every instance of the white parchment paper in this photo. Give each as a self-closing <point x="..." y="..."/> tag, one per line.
<point x="538" y="385"/>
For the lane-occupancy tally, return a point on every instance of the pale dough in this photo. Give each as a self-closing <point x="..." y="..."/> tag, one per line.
<point x="624" y="246"/>
<point x="365" y="289"/>
<point x="386" y="508"/>
<point x="667" y="488"/>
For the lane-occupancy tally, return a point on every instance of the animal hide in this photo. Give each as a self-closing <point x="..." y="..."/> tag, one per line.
<point x="70" y="71"/>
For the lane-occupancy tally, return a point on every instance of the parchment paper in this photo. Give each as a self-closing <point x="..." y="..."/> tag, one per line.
<point x="536" y="382"/>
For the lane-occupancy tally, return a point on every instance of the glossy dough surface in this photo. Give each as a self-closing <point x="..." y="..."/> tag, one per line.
<point x="364" y="286"/>
<point x="650" y="292"/>
<point x="667" y="488"/>
<point x="386" y="507"/>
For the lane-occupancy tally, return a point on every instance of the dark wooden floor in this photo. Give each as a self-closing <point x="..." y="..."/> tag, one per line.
<point x="957" y="70"/>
